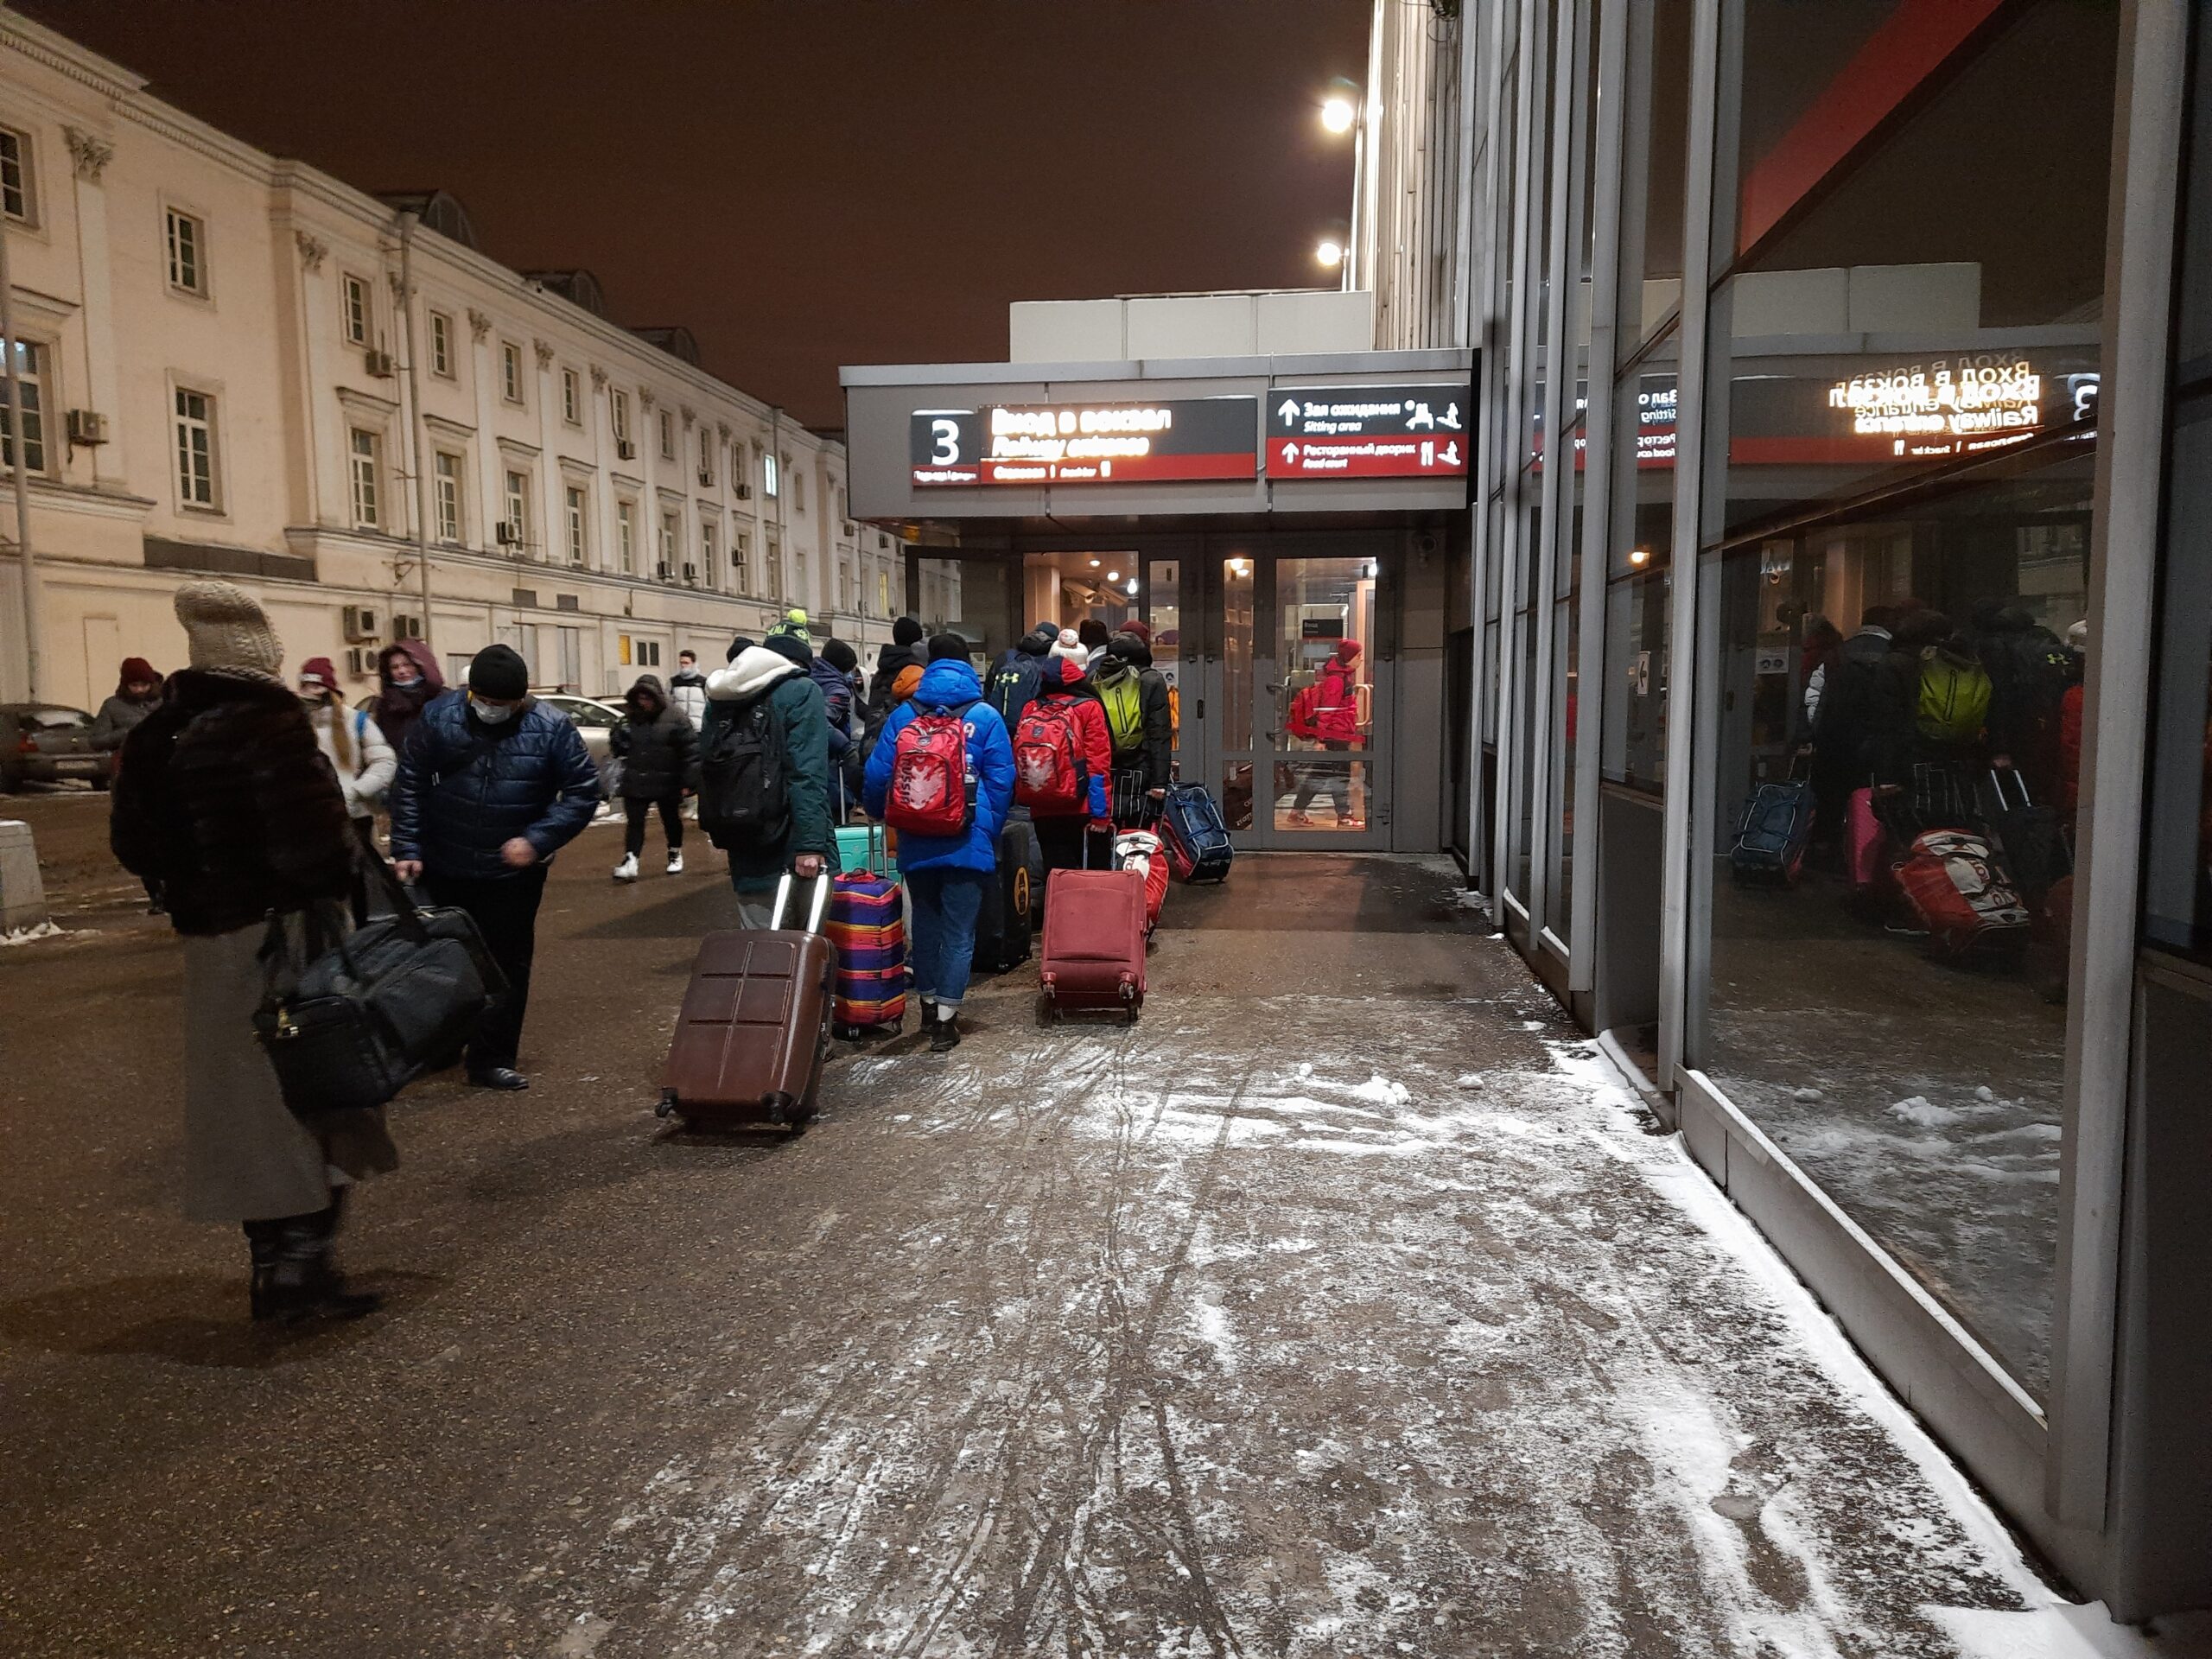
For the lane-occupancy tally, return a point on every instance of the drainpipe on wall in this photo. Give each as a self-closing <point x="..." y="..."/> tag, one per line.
<point x="22" y="476"/>
<point x="407" y="223"/>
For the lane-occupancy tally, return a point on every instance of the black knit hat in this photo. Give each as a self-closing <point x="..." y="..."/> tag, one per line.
<point x="499" y="671"/>
<point x="791" y="647"/>
<point x="906" y="632"/>
<point x="740" y="644"/>
<point x="948" y="648"/>
<point x="840" y="656"/>
<point x="1093" y="632"/>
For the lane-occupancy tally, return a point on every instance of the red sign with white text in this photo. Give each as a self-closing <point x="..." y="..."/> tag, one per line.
<point x="1325" y="432"/>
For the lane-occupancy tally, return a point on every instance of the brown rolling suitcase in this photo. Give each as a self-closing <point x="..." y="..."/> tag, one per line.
<point x="755" y="1026"/>
<point x="1093" y="942"/>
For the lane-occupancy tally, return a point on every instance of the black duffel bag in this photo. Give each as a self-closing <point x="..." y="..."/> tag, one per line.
<point x="350" y="1019"/>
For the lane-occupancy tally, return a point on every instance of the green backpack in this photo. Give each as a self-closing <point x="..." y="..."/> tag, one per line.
<point x="1123" y="697"/>
<point x="1954" y="697"/>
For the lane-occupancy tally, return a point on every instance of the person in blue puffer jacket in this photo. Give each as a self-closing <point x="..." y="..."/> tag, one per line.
<point x="492" y="783"/>
<point x="947" y="874"/>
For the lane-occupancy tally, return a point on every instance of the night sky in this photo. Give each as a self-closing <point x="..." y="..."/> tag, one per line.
<point x="810" y="182"/>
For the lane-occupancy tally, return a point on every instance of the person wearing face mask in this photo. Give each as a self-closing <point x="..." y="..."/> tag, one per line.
<point x="409" y="678"/>
<point x="352" y="743"/>
<point x="492" y="783"/>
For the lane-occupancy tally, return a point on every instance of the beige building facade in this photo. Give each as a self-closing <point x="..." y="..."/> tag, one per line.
<point x="236" y="365"/>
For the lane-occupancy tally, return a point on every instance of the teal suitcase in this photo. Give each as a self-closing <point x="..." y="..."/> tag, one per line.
<point x="854" y="852"/>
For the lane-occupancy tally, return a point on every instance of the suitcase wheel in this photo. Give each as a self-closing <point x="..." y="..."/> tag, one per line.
<point x="780" y="1109"/>
<point x="667" y="1106"/>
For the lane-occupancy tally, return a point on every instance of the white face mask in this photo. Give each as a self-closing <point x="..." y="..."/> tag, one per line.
<point x="492" y="714"/>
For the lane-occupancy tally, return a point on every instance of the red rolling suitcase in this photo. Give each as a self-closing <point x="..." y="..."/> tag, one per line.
<point x="1093" y="957"/>
<point x="755" y="1026"/>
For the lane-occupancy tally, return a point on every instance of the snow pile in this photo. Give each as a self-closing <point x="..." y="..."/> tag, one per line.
<point x="1925" y="1112"/>
<point x="31" y="935"/>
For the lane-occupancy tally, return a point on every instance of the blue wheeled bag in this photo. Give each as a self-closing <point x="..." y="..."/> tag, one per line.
<point x="1198" y="842"/>
<point x="1771" y="839"/>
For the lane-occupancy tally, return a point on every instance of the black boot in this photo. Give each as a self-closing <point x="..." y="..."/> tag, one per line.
<point x="944" y="1035"/>
<point x="306" y="1284"/>
<point x="262" y="1240"/>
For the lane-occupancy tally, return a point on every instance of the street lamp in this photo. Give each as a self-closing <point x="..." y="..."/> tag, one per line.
<point x="1330" y="253"/>
<point x="1338" y="114"/>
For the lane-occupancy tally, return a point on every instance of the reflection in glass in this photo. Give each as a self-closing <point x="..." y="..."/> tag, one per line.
<point x="1236" y="657"/>
<point x="1164" y="613"/>
<point x="1325" y="792"/>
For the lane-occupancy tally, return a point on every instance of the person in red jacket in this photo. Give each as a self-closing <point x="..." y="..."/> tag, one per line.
<point x="1332" y="714"/>
<point x="1061" y="830"/>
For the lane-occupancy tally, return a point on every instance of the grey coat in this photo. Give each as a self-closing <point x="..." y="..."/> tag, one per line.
<point x="246" y="1158"/>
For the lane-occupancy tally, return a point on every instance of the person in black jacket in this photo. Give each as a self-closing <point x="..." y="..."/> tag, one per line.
<point x="1156" y="759"/>
<point x="225" y="803"/>
<point x="904" y="650"/>
<point x="659" y="750"/>
<point x="491" y="784"/>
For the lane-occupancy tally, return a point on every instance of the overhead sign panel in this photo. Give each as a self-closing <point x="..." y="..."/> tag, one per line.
<point x="1033" y="444"/>
<point x="1369" y="431"/>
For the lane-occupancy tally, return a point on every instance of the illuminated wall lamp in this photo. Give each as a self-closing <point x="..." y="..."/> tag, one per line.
<point x="1330" y="254"/>
<point x="1639" y="557"/>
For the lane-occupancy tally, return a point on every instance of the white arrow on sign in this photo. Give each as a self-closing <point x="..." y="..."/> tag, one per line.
<point x="1289" y="410"/>
<point x="1290" y="454"/>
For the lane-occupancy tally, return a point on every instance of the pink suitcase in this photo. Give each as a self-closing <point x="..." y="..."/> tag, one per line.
<point x="1093" y="957"/>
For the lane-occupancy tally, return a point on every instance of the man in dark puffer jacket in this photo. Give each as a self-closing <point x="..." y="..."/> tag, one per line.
<point x="659" y="748"/>
<point x="491" y="784"/>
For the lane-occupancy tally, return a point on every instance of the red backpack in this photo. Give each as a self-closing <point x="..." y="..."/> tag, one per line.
<point x="929" y="776"/>
<point x="1048" y="770"/>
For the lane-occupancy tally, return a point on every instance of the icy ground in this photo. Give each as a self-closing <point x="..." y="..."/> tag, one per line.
<point x="1201" y="1345"/>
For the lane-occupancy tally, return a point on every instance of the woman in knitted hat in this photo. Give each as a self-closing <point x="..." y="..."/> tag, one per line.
<point x="352" y="743"/>
<point x="137" y="694"/>
<point x="225" y="802"/>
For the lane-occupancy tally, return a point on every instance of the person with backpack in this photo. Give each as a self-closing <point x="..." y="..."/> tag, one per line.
<point x="837" y="712"/>
<point x="1064" y="764"/>
<point x="353" y="745"/>
<point x="1020" y="673"/>
<point x="943" y="777"/>
<point x="1155" y="758"/>
<point x="1329" y="711"/>
<point x="904" y="650"/>
<point x="492" y="783"/>
<point x="687" y="688"/>
<point x="764" y="771"/>
<point x="659" y="752"/>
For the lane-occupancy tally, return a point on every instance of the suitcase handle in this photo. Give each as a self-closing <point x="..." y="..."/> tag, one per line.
<point x="816" y="911"/>
<point x="1997" y="783"/>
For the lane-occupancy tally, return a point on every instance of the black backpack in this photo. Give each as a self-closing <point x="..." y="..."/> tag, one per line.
<point x="744" y="791"/>
<point x="1015" y="685"/>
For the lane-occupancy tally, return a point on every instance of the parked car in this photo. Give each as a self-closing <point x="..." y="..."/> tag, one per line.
<point x="44" y="742"/>
<point x="596" y="720"/>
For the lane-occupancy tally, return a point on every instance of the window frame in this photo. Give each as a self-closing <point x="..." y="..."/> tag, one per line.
<point x="516" y="515"/>
<point x="740" y="563"/>
<point x="625" y="534"/>
<point x="671" y="544"/>
<point x="361" y="330"/>
<point x="441" y="327"/>
<point x="38" y="378"/>
<point x="365" y="476"/>
<point x="707" y="468"/>
<point x="771" y="476"/>
<point x="572" y="401"/>
<point x="447" y="494"/>
<point x="575" y="507"/>
<point x="173" y="216"/>
<point x="618" y="413"/>
<point x="208" y="420"/>
<point x="26" y="176"/>
<point x="511" y="378"/>
<point x="668" y="435"/>
<point x="707" y="555"/>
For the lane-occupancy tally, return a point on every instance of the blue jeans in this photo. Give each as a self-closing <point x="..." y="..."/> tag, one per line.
<point x="945" y="905"/>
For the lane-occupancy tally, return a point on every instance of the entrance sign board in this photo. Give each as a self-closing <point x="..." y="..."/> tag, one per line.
<point x="1032" y="444"/>
<point x="1417" y="431"/>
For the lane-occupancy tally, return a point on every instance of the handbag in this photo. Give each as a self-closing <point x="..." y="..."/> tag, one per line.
<point x="349" y="1020"/>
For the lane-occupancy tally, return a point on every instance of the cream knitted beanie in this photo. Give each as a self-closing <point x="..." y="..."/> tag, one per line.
<point x="224" y="627"/>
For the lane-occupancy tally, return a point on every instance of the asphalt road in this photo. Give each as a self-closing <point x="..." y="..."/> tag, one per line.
<point x="1336" y="1308"/>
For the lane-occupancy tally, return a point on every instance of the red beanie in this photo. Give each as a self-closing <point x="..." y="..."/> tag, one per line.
<point x="320" y="670"/>
<point x="139" y="671"/>
<point x="1139" y="627"/>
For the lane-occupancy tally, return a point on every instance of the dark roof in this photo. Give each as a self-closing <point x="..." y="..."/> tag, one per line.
<point x="440" y="210"/>
<point x="678" y="341"/>
<point x="579" y="288"/>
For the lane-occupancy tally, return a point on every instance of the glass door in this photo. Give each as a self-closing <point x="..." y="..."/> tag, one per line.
<point x="1300" y="675"/>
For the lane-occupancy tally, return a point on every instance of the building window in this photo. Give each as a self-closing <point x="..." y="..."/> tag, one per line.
<point x="441" y="344"/>
<point x="799" y="577"/>
<point x="518" y="519"/>
<point x="799" y="490"/>
<point x="361" y="462"/>
<point x="448" y="492"/>
<point x="511" y="371"/>
<point x="571" y="411"/>
<point x="626" y="535"/>
<point x="775" y="564"/>
<point x="15" y="175"/>
<point x="741" y="561"/>
<point x="769" y="481"/>
<point x="842" y="513"/>
<point x="187" y="249"/>
<point x="707" y="459"/>
<point x="883" y="592"/>
<point x="671" y="541"/>
<point x="667" y="435"/>
<point x="707" y="555"/>
<point x="196" y="448"/>
<point x="575" y="499"/>
<point x="355" y="298"/>
<point x="30" y="360"/>
<point x="844" y="585"/>
<point x="619" y="409"/>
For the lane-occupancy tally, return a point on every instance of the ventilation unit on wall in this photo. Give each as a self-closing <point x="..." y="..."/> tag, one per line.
<point x="88" y="428"/>
<point x="662" y="571"/>
<point x="706" y="480"/>
<point x="506" y="534"/>
<point x="744" y="491"/>
<point x="361" y="659"/>
<point x="567" y="603"/>
<point x="378" y="364"/>
<point x="357" y="622"/>
<point x="625" y="450"/>
<point x="406" y="628"/>
<point x="690" y="573"/>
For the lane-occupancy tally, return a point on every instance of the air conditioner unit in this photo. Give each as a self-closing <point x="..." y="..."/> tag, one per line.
<point x="86" y="429"/>
<point x="506" y="534"/>
<point x="745" y="492"/>
<point x="625" y="450"/>
<point x="361" y="659"/>
<point x="690" y="573"/>
<point x="661" y="571"/>
<point x="358" y="621"/>
<point x="406" y="628"/>
<point x="377" y="363"/>
<point x="706" y="480"/>
<point x="851" y="529"/>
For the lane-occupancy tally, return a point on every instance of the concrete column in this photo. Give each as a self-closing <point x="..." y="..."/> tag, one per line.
<point x="553" y="514"/>
<point x="23" y="890"/>
<point x="602" y="556"/>
<point x="103" y="386"/>
<point x="491" y="504"/>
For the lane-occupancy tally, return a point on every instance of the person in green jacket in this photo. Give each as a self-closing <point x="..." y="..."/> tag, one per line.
<point x="778" y="671"/>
